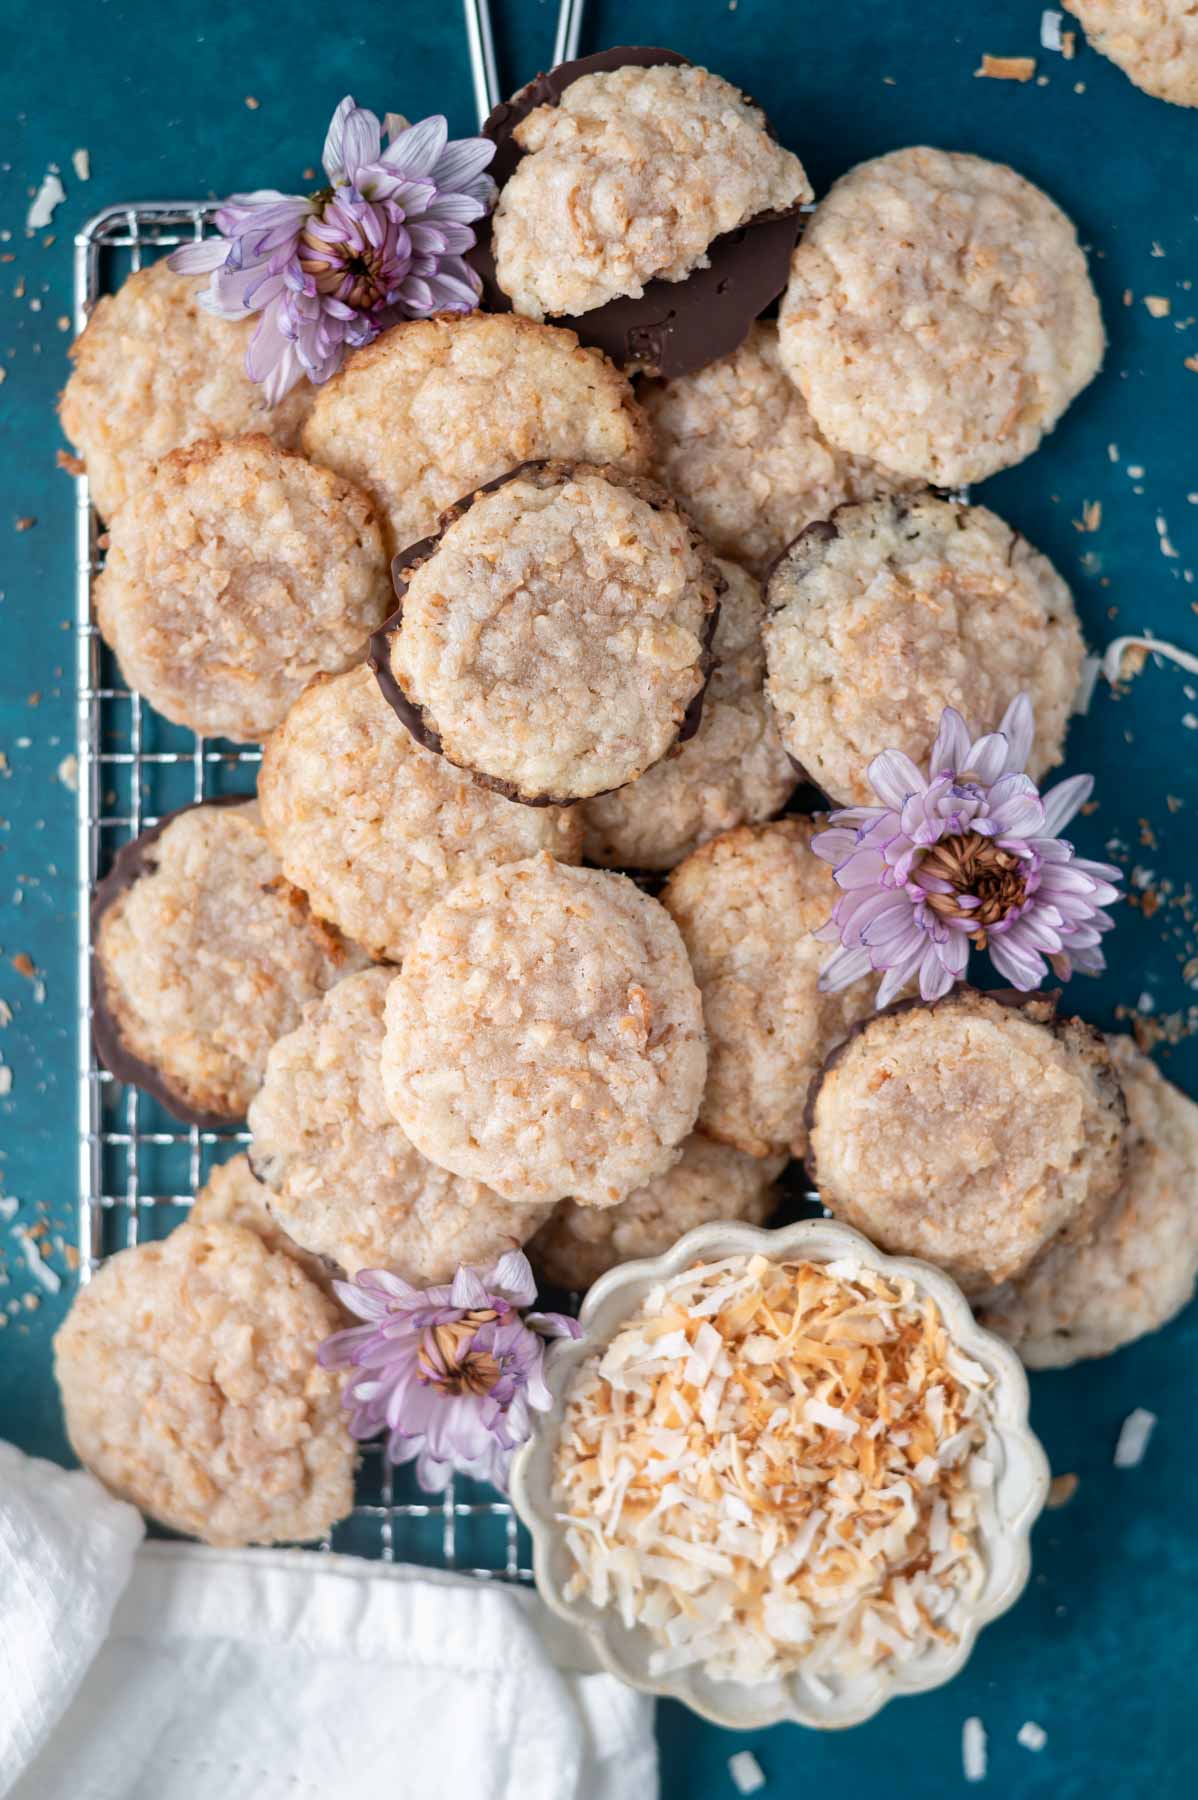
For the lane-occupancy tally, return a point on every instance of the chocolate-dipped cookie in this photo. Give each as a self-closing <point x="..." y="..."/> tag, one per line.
<point x="204" y="955"/>
<point x="696" y="217"/>
<point x="554" y="638"/>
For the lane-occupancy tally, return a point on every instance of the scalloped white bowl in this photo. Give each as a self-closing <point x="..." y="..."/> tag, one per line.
<point x="1021" y="1484"/>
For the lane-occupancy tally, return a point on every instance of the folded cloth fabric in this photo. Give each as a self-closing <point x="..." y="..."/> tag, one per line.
<point x="288" y="1674"/>
<point x="66" y="1549"/>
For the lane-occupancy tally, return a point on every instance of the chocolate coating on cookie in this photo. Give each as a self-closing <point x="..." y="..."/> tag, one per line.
<point x="129" y="865"/>
<point x="405" y="565"/>
<point x="675" y="327"/>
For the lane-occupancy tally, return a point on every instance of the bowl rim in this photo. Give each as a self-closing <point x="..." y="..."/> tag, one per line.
<point x="735" y="1706"/>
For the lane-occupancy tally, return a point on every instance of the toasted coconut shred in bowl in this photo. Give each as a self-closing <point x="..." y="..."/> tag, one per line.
<point x="780" y="1469"/>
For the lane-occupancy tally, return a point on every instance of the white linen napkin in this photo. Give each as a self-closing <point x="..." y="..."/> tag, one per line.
<point x="281" y="1674"/>
<point x="66" y="1549"/>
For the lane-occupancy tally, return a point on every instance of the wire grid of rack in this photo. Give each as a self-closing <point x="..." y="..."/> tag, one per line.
<point x="139" y="1169"/>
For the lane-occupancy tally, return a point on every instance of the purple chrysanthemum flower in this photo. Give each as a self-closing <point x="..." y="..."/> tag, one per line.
<point x="452" y="1374"/>
<point x="383" y="241"/>
<point x="968" y="854"/>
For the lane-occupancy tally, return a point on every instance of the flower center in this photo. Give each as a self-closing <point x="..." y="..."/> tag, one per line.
<point x="356" y="274"/>
<point x="975" y="865"/>
<point x="447" y="1361"/>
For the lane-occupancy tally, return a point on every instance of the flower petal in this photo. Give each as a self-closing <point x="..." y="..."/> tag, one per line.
<point x="199" y="258"/>
<point x="934" y="979"/>
<point x="894" y="778"/>
<point x="418" y="150"/>
<point x="847" y="966"/>
<point x="952" y="743"/>
<point x="512" y="1276"/>
<point x="332" y="156"/>
<point x="988" y="758"/>
<point x="1019" y="728"/>
<point x="361" y="142"/>
<point x="1063" y="801"/>
<point x="896" y="978"/>
<point x="864" y="868"/>
<point x="469" y="1290"/>
<point x="461" y="161"/>
<point x="835" y="845"/>
<point x="1022" y="967"/>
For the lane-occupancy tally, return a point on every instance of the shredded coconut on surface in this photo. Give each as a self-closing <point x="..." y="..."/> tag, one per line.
<point x="48" y="198"/>
<point x="1134" y="1434"/>
<point x="779" y="1466"/>
<point x="746" y="1772"/>
<point x="1031" y="1736"/>
<point x="973" y="1749"/>
<point x="38" y="1267"/>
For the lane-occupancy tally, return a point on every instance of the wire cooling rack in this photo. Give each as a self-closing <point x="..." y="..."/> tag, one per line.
<point x="139" y="1169"/>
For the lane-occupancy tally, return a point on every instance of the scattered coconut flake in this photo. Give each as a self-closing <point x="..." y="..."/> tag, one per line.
<point x="1050" y="30"/>
<point x="51" y="194"/>
<point x="68" y="772"/>
<point x="1113" y="655"/>
<point x="1031" y="1735"/>
<point x="81" y="162"/>
<point x="1061" y="1490"/>
<point x="1007" y="68"/>
<point x="5" y="1080"/>
<point x="39" y="1269"/>
<point x="1158" y="305"/>
<point x="1134" y="1434"/>
<point x="973" y="1749"/>
<point x="802" y="1482"/>
<point x="9" y="1206"/>
<point x="746" y="1772"/>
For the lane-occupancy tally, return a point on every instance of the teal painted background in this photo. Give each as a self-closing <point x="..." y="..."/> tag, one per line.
<point x="1103" y="1647"/>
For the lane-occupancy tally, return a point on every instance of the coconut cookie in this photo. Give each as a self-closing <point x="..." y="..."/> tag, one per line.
<point x="204" y="955"/>
<point x="899" y="607"/>
<point x="1139" y="1267"/>
<point x="155" y="371"/>
<point x="233" y="1195"/>
<point x="553" y="637"/>
<point x="940" y="316"/>
<point x="545" y="1035"/>
<point x="190" y="1386"/>
<point x="373" y="828"/>
<point x="970" y="1133"/>
<point x="342" y="1178"/>
<point x="436" y="407"/>
<point x="709" y="1181"/>
<point x="734" y="770"/>
<point x="737" y="445"/>
<point x="629" y="177"/>
<point x="233" y="577"/>
<point x="1154" y="42"/>
<point x="747" y="905"/>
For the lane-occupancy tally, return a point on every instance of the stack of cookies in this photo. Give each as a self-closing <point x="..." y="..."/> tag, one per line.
<point x="542" y="615"/>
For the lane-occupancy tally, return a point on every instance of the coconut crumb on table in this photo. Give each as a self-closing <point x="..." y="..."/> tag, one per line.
<point x="1007" y="68"/>
<point x="779" y="1466"/>
<point x="1061" y="1490"/>
<point x="746" y="1772"/>
<point x="973" y="1749"/>
<point x="1031" y="1735"/>
<point x="1134" y="1435"/>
